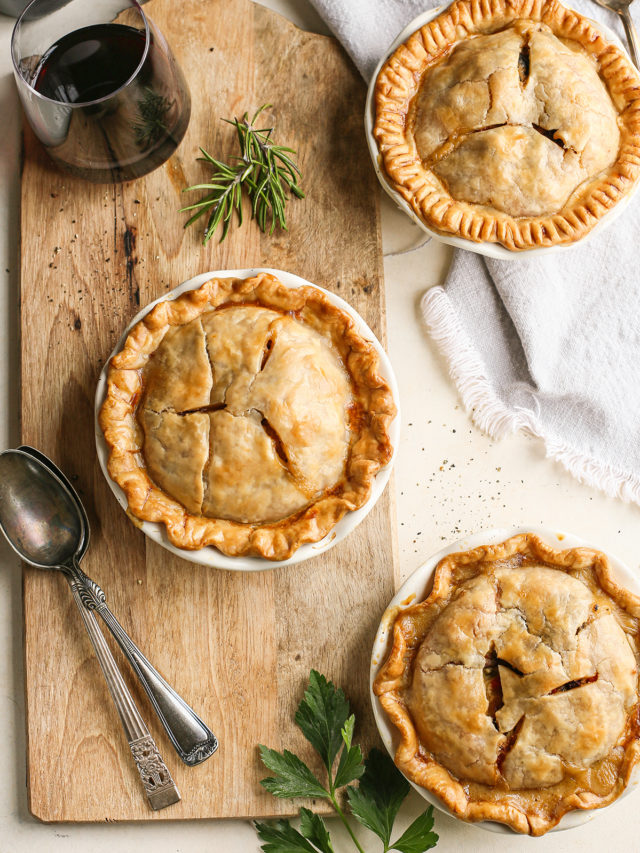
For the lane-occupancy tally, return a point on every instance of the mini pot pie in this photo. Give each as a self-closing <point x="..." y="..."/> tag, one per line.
<point x="246" y="415"/>
<point x="514" y="684"/>
<point x="514" y="122"/>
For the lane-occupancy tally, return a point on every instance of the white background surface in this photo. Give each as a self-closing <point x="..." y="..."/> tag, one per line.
<point x="451" y="480"/>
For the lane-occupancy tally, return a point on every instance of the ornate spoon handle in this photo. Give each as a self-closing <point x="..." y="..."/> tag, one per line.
<point x="160" y="788"/>
<point x="193" y="740"/>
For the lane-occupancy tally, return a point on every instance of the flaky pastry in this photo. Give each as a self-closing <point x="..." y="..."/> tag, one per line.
<point x="514" y="684"/>
<point x="512" y="122"/>
<point x="246" y="415"/>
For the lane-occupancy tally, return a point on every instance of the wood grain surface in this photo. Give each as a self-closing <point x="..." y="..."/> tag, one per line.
<point x="238" y="647"/>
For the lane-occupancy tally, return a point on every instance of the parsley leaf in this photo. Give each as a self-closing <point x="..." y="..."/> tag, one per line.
<point x="350" y="766"/>
<point x="347" y="731"/>
<point x="375" y="802"/>
<point x="293" y="778"/>
<point x="418" y="837"/>
<point x="281" y="837"/>
<point x="313" y="828"/>
<point x="321" y="715"/>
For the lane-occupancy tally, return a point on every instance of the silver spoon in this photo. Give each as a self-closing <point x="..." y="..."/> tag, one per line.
<point x="45" y="522"/>
<point x="40" y="519"/>
<point x="621" y="7"/>
<point x="193" y="740"/>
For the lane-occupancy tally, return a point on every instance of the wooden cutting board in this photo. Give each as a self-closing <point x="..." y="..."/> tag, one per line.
<point x="238" y="647"/>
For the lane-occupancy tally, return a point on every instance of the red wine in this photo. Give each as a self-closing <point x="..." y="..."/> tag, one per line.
<point x="121" y="113"/>
<point x="90" y="63"/>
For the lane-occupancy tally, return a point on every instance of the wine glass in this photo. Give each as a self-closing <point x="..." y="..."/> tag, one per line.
<point x="99" y="86"/>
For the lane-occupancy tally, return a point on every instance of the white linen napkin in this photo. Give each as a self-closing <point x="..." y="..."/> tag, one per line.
<point x="549" y="345"/>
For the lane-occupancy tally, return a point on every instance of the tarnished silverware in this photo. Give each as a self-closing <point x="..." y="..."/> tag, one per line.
<point x="45" y="523"/>
<point x="192" y="739"/>
<point x="41" y="521"/>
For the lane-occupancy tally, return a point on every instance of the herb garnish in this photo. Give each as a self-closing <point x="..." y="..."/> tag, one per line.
<point x="263" y="168"/>
<point x="324" y="719"/>
<point x="151" y="127"/>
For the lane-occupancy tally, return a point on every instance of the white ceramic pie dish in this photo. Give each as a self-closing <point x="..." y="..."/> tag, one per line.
<point x="417" y="586"/>
<point x="210" y="556"/>
<point x="491" y="250"/>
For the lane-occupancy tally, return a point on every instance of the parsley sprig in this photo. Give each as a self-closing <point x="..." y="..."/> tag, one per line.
<point x="265" y="170"/>
<point x="325" y="720"/>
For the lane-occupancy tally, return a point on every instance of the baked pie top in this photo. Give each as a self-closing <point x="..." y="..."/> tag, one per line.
<point x="246" y="415"/>
<point x="514" y="123"/>
<point x="515" y="684"/>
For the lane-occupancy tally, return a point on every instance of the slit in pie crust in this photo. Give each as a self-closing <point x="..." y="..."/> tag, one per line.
<point x="511" y="122"/>
<point x="246" y="415"/>
<point x="514" y="684"/>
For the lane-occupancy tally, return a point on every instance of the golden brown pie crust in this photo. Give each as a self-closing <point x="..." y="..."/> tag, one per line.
<point x="399" y="82"/>
<point x="370" y="413"/>
<point x="593" y="722"/>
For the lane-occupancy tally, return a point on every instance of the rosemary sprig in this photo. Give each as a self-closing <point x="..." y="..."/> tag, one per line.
<point x="152" y="109"/>
<point x="224" y="197"/>
<point x="265" y="170"/>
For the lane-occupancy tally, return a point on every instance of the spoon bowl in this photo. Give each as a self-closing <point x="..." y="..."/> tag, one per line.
<point x="38" y="515"/>
<point x="86" y="531"/>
